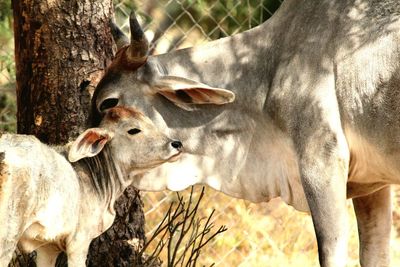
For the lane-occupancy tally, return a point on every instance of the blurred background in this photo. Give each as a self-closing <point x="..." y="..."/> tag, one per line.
<point x="271" y="234"/>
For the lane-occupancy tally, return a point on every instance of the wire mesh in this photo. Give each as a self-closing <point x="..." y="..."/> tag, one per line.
<point x="174" y="24"/>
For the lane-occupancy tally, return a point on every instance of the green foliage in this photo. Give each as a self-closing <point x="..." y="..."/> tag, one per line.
<point x="8" y="109"/>
<point x="5" y="9"/>
<point x="7" y="70"/>
<point x="5" y="19"/>
<point x="7" y="63"/>
<point x="6" y="35"/>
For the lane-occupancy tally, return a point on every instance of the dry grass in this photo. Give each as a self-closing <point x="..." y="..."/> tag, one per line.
<point x="271" y="233"/>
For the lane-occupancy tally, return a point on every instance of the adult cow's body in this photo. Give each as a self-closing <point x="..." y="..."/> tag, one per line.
<point x="315" y="118"/>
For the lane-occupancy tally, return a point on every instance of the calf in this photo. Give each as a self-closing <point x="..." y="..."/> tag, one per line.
<point x="50" y="205"/>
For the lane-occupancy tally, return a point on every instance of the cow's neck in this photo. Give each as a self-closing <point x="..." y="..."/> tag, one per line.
<point x="225" y="62"/>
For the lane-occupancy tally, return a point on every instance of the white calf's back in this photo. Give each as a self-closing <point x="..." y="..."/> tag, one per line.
<point x="38" y="186"/>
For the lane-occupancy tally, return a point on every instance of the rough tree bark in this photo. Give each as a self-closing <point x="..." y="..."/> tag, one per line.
<point x="62" y="48"/>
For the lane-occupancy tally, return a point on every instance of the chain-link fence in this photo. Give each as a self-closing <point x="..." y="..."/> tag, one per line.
<point x="173" y="24"/>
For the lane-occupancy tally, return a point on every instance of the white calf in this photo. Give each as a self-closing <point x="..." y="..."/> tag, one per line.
<point x="51" y="205"/>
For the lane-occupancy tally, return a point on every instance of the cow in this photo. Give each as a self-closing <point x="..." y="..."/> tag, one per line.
<point x="55" y="199"/>
<point x="304" y="107"/>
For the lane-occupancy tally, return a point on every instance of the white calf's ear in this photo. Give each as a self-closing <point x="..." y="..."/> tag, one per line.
<point x="183" y="91"/>
<point x="89" y="144"/>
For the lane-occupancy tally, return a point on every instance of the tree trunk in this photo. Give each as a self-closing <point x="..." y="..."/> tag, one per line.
<point x="61" y="50"/>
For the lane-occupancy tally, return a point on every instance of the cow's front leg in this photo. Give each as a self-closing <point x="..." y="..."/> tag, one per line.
<point x="374" y="219"/>
<point x="324" y="159"/>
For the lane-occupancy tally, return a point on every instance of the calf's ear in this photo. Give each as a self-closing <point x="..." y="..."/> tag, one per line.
<point x="183" y="92"/>
<point x="89" y="144"/>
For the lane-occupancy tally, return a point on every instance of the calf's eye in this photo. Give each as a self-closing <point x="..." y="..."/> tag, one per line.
<point x="134" y="131"/>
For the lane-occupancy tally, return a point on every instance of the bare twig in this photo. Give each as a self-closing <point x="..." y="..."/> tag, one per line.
<point x="182" y="233"/>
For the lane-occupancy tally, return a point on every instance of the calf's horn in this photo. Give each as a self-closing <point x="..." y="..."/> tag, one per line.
<point x="137" y="50"/>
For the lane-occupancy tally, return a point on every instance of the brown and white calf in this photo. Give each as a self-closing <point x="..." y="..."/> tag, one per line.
<point x="50" y="205"/>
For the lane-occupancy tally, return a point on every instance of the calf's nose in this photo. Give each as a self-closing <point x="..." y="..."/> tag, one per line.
<point x="176" y="144"/>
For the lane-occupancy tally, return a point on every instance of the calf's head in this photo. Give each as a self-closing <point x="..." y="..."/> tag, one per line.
<point x="135" y="143"/>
